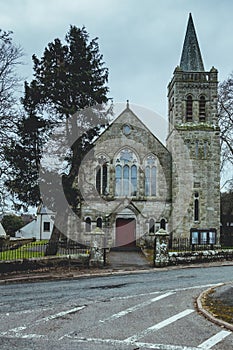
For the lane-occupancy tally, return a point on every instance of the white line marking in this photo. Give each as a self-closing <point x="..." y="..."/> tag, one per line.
<point x="60" y="314"/>
<point x="160" y="325"/>
<point x="116" y="342"/>
<point x="209" y="343"/>
<point x="164" y="291"/>
<point x="17" y="330"/>
<point x="136" y="307"/>
<point x="25" y="336"/>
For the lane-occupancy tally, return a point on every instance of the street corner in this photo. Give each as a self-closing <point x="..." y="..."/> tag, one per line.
<point x="216" y="304"/>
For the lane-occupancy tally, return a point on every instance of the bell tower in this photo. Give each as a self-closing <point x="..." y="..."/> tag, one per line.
<point x="193" y="141"/>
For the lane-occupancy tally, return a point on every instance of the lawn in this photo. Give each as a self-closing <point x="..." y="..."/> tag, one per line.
<point x="30" y="250"/>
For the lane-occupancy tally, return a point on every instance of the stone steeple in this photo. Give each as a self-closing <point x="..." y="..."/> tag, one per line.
<point x="191" y="60"/>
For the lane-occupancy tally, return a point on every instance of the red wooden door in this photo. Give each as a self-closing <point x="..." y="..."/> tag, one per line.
<point x="125" y="232"/>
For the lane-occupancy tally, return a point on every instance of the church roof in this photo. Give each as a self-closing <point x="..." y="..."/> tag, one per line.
<point x="191" y="60"/>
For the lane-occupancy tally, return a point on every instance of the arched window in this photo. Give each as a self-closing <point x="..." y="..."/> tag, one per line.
<point x="102" y="179"/>
<point x="118" y="179"/>
<point x="133" y="180"/>
<point x="152" y="226"/>
<point x="147" y="181"/>
<point x="163" y="224"/>
<point x="88" y="225"/>
<point x="153" y="181"/>
<point x="98" y="179"/>
<point x="126" y="173"/>
<point x="196" y="206"/>
<point x="99" y="222"/>
<point x="202" y="108"/>
<point x="189" y="108"/>
<point x="125" y="180"/>
<point x="150" y="176"/>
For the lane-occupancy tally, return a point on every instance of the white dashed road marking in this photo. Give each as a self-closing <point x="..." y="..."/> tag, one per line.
<point x="136" y="307"/>
<point x="160" y="325"/>
<point x="209" y="343"/>
<point x="132" y="340"/>
<point x="17" y="331"/>
<point x="140" y="345"/>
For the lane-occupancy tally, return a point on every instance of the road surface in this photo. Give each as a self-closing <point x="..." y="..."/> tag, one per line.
<point x="145" y="310"/>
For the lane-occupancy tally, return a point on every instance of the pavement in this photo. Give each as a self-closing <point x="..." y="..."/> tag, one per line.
<point x="130" y="263"/>
<point x="128" y="260"/>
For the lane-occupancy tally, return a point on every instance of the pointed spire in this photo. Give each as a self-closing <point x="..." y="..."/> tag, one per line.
<point x="191" y="60"/>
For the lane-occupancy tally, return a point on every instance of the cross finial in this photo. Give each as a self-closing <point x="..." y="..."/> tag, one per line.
<point x="127" y="103"/>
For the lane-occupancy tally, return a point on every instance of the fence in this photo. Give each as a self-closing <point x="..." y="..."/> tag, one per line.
<point x="37" y="250"/>
<point x="184" y="245"/>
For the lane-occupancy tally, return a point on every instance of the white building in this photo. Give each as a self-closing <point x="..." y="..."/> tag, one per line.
<point x="2" y="231"/>
<point x="40" y="228"/>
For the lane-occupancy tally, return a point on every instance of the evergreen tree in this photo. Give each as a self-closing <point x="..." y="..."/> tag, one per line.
<point x="68" y="78"/>
<point x="23" y="156"/>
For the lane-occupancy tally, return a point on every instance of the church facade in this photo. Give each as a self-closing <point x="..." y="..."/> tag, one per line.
<point x="133" y="185"/>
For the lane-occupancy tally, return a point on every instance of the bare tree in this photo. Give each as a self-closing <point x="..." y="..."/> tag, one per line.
<point x="10" y="59"/>
<point x="225" y="111"/>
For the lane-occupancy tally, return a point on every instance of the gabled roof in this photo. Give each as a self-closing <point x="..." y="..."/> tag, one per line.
<point x="43" y="210"/>
<point x="119" y="120"/>
<point x="191" y="60"/>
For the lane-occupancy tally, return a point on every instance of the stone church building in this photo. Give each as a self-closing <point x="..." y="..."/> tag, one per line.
<point x="133" y="185"/>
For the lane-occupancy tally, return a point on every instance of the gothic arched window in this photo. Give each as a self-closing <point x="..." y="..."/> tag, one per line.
<point x="202" y="108"/>
<point x="189" y="108"/>
<point x="163" y="224"/>
<point x="99" y="222"/>
<point x="126" y="173"/>
<point x="118" y="180"/>
<point x="133" y="180"/>
<point x="102" y="178"/>
<point x="150" y="176"/>
<point x="196" y="206"/>
<point x="88" y="225"/>
<point x="125" y="180"/>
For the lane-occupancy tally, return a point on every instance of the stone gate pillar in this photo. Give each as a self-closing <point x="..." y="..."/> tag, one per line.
<point x="161" y="248"/>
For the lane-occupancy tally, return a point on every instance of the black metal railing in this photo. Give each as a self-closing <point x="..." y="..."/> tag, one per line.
<point x="37" y="250"/>
<point x="184" y="244"/>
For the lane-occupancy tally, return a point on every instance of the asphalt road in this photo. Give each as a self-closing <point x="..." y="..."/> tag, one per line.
<point x="146" y="310"/>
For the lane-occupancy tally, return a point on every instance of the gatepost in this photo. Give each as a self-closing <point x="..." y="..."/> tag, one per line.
<point x="161" y="248"/>
<point x="97" y="252"/>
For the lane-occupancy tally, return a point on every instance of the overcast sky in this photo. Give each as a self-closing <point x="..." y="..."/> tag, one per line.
<point x="141" y="40"/>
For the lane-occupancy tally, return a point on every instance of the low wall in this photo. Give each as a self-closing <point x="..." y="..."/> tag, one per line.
<point x="43" y="263"/>
<point x="199" y="256"/>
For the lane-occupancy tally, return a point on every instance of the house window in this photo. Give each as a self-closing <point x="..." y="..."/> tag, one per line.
<point x="196" y="206"/>
<point x="152" y="226"/>
<point x="202" y="108"/>
<point x="189" y="108"/>
<point x="126" y="173"/>
<point x="99" y="222"/>
<point x="102" y="179"/>
<point x="46" y="226"/>
<point x="88" y="225"/>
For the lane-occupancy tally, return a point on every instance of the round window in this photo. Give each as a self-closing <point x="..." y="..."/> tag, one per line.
<point x="126" y="129"/>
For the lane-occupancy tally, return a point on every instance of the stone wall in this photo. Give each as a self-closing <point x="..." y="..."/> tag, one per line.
<point x="200" y="256"/>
